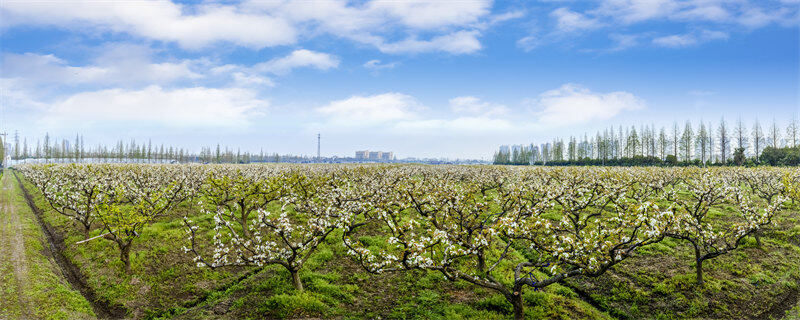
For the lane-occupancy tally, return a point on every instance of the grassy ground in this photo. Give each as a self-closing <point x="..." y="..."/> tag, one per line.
<point x="31" y="285"/>
<point x="749" y="283"/>
<point x="794" y="313"/>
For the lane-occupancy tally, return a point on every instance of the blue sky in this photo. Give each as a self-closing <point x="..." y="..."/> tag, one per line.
<point x="423" y="79"/>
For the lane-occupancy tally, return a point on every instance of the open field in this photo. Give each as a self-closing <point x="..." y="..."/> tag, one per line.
<point x="400" y="242"/>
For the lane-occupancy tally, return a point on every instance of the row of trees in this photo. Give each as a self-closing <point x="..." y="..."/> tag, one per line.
<point x="54" y="150"/>
<point x="504" y="229"/>
<point x="702" y="144"/>
<point x="122" y="199"/>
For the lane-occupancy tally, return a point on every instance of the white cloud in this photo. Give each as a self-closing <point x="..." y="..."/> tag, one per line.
<point x="474" y="106"/>
<point x="460" y="42"/>
<point x="259" y="24"/>
<point x="359" y="111"/>
<point x="117" y="64"/>
<point x="128" y="65"/>
<point x="705" y="11"/>
<point x="676" y="40"/>
<point x="376" y="65"/>
<point x="334" y="17"/>
<point x="432" y="14"/>
<point x="570" y="21"/>
<point x="299" y="58"/>
<point x="30" y="67"/>
<point x="187" y="107"/>
<point x="689" y="39"/>
<point x="345" y="17"/>
<point x="757" y="17"/>
<point x="529" y="43"/>
<point x="631" y="11"/>
<point x="697" y="14"/>
<point x="750" y="13"/>
<point x="573" y="104"/>
<point x="402" y="114"/>
<point x="242" y="79"/>
<point x="503" y="17"/>
<point x="15" y="95"/>
<point x="159" y="20"/>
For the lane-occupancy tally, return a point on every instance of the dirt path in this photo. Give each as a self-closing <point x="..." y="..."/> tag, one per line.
<point x="13" y="247"/>
<point x="31" y="286"/>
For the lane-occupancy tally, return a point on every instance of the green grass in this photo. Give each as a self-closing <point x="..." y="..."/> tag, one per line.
<point x="793" y="314"/>
<point x="50" y="296"/>
<point x="657" y="283"/>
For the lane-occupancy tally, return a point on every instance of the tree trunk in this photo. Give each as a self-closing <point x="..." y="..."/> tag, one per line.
<point x="516" y="301"/>
<point x="296" y="280"/>
<point x="87" y="226"/>
<point x="699" y="270"/>
<point x="125" y="256"/>
<point x="243" y="222"/>
<point x="758" y="238"/>
<point x="698" y="264"/>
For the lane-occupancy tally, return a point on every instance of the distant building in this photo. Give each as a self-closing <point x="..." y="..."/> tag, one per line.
<point x="505" y="149"/>
<point x="374" y="155"/>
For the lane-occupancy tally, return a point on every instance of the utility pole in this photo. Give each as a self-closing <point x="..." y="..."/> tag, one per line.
<point x="318" y="140"/>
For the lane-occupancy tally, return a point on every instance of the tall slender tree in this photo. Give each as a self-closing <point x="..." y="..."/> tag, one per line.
<point x="758" y="139"/>
<point x="774" y="135"/>
<point x="724" y="141"/>
<point x="572" y="148"/>
<point x="686" y="141"/>
<point x="702" y="142"/>
<point x="675" y="135"/>
<point x="632" y="143"/>
<point x="792" y="132"/>
<point x="46" y="147"/>
<point x="25" y="151"/>
<point x="740" y="134"/>
<point x="17" y="151"/>
<point x="663" y="142"/>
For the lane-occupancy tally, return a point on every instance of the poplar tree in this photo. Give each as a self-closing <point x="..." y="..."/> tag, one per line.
<point x="663" y="142"/>
<point x="675" y="134"/>
<point x="758" y="139"/>
<point x="702" y="142"/>
<point x="774" y="135"/>
<point x="792" y="132"/>
<point x="686" y="142"/>
<point x="724" y="141"/>
<point x="740" y="133"/>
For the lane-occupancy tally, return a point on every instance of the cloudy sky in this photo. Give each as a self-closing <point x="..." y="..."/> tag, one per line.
<point x="423" y="79"/>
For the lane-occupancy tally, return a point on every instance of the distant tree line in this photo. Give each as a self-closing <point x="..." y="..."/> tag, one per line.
<point x="700" y="145"/>
<point x="50" y="149"/>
